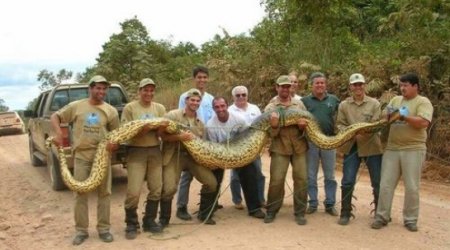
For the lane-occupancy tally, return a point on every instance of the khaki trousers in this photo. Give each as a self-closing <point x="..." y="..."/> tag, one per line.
<point x="407" y="164"/>
<point x="143" y="164"/>
<point x="172" y="172"/>
<point x="82" y="170"/>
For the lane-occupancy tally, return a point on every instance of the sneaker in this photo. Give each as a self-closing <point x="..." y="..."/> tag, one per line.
<point x="332" y="211"/>
<point x="79" y="239"/>
<point x="106" y="237"/>
<point x="183" y="214"/>
<point x="300" y="219"/>
<point x="270" y="217"/>
<point x="311" y="210"/>
<point x="412" y="227"/>
<point x="239" y="206"/>
<point x="378" y="224"/>
<point x="258" y="214"/>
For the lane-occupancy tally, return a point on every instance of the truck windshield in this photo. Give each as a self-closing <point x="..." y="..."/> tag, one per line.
<point x="62" y="97"/>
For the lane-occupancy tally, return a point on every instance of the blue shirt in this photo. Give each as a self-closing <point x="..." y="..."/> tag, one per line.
<point x="205" y="111"/>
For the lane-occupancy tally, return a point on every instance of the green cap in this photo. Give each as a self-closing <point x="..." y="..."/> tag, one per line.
<point x="146" y="81"/>
<point x="98" y="79"/>
<point x="284" y="80"/>
<point x="194" y="92"/>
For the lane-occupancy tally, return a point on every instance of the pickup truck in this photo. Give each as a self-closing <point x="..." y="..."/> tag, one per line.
<point x="39" y="127"/>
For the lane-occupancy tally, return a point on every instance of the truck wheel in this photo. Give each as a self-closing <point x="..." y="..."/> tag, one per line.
<point x="54" y="170"/>
<point x="35" y="161"/>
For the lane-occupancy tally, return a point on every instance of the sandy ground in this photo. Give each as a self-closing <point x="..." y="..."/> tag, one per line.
<point x="32" y="216"/>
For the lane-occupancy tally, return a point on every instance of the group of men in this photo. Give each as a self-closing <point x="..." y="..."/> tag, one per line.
<point x="160" y="159"/>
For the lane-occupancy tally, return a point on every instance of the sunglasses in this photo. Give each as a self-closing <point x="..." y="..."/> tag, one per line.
<point x="239" y="95"/>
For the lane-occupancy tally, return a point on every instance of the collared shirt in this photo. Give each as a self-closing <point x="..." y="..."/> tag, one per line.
<point x="402" y="136"/>
<point x="323" y="110"/>
<point x="249" y="114"/>
<point x="135" y="111"/>
<point x="194" y="124"/>
<point x="351" y="112"/>
<point x="287" y="140"/>
<point x="91" y="123"/>
<point x="205" y="111"/>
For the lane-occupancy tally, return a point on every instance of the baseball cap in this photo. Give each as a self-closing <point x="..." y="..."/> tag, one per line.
<point x="146" y="81"/>
<point x="284" y="80"/>
<point x="194" y="92"/>
<point x="98" y="79"/>
<point x="357" y="77"/>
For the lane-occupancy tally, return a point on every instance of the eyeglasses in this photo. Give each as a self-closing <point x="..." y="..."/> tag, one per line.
<point x="239" y="95"/>
<point x="294" y="81"/>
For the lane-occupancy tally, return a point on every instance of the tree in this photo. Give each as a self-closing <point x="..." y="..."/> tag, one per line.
<point x="48" y="79"/>
<point x="3" y="107"/>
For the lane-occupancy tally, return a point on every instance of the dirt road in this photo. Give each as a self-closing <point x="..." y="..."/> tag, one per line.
<point x="32" y="216"/>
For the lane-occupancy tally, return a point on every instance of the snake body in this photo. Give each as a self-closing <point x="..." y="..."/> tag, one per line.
<point x="233" y="154"/>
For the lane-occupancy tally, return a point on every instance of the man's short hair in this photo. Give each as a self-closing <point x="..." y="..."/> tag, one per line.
<point x="218" y="98"/>
<point x="412" y="78"/>
<point x="315" y="75"/>
<point x="199" y="69"/>
<point x="240" y="87"/>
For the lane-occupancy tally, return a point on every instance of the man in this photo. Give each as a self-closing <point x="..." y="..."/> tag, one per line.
<point x="225" y="126"/>
<point x="200" y="78"/>
<point x="288" y="146"/>
<point x="364" y="147"/>
<point x="323" y="107"/>
<point x="405" y="153"/>
<point x="176" y="158"/>
<point x="92" y="118"/>
<point x="294" y="87"/>
<point x="144" y="161"/>
<point x="249" y="112"/>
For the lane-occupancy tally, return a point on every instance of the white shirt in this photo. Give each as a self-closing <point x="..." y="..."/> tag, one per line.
<point x="249" y="114"/>
<point x="222" y="131"/>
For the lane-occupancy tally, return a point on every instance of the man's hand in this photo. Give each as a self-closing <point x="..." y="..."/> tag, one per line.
<point x="186" y="136"/>
<point x="302" y="123"/>
<point x="111" y="147"/>
<point x="274" y="119"/>
<point x="58" y="139"/>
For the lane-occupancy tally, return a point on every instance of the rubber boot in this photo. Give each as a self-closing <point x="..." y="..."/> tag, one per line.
<point x="206" y="210"/>
<point x="131" y="219"/>
<point x="375" y="201"/>
<point x="183" y="214"/>
<point x="346" y="205"/>
<point x="165" y="212"/>
<point x="148" y="222"/>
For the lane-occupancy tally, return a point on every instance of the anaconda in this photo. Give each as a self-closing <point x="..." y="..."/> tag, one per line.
<point x="233" y="154"/>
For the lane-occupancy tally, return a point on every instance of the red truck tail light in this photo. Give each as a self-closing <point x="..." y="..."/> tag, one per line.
<point x="66" y="136"/>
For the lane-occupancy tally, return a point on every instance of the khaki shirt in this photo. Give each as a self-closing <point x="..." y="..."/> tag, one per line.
<point x="91" y="123"/>
<point x="194" y="124"/>
<point x="349" y="113"/>
<point x="403" y="136"/>
<point x="135" y="111"/>
<point x="287" y="140"/>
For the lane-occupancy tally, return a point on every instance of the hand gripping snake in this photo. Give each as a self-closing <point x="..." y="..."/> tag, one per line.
<point x="236" y="153"/>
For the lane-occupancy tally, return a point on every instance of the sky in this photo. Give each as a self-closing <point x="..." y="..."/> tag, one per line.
<point x="57" y="34"/>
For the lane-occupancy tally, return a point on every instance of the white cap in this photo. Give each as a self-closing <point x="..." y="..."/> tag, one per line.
<point x="357" y="77"/>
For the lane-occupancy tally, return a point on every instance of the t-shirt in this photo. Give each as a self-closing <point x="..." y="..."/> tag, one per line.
<point x="249" y="114"/>
<point x="205" y="111"/>
<point x="324" y="111"/>
<point x="91" y="123"/>
<point x="222" y="131"/>
<point x="135" y="111"/>
<point x="402" y="136"/>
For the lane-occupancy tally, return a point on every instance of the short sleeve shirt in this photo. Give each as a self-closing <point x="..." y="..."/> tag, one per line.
<point x="249" y="114"/>
<point x="91" y="123"/>
<point x="324" y="111"/>
<point x="222" y="131"/>
<point x="136" y="111"/>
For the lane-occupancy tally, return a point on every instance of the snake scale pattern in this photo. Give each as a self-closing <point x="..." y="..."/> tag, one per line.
<point x="233" y="154"/>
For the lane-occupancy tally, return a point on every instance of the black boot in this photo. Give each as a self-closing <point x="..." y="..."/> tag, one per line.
<point x="207" y="205"/>
<point x="375" y="201"/>
<point x="148" y="222"/>
<point x="183" y="214"/>
<point x="165" y="212"/>
<point x="131" y="219"/>
<point x="346" y="205"/>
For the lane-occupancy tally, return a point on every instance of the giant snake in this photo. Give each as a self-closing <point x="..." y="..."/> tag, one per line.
<point x="233" y="154"/>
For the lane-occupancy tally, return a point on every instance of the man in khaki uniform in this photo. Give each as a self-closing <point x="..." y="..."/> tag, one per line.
<point x="405" y="153"/>
<point x="144" y="161"/>
<point x="364" y="147"/>
<point x="176" y="158"/>
<point x="92" y="118"/>
<point x="286" y="148"/>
